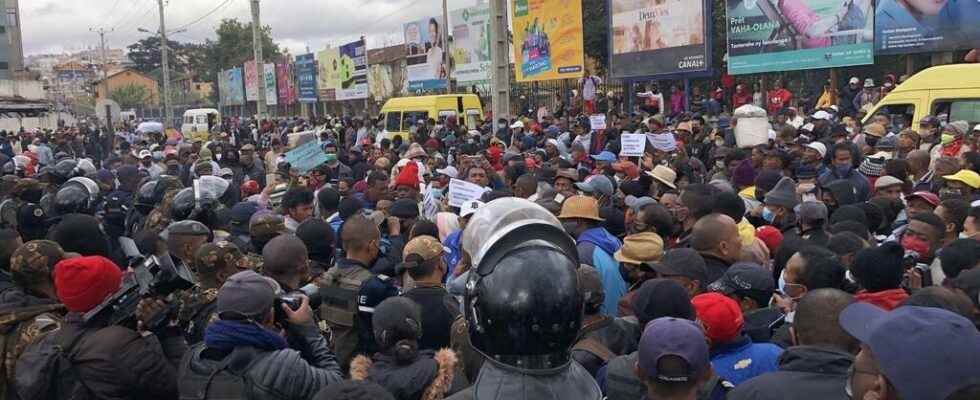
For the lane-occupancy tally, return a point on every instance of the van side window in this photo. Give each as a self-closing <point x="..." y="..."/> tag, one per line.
<point x="393" y="122"/>
<point x="472" y="117"/>
<point x="959" y="110"/>
<point x="901" y="115"/>
<point x="413" y="117"/>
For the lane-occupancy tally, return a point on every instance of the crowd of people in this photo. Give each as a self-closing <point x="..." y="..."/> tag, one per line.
<point x="838" y="259"/>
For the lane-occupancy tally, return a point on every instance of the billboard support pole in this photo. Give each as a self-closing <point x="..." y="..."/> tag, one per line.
<point x="500" y="58"/>
<point x="833" y="78"/>
<point x="628" y="95"/>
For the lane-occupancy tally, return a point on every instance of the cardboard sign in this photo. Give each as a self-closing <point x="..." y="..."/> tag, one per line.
<point x="294" y="140"/>
<point x="462" y="191"/>
<point x="306" y="156"/>
<point x="632" y="144"/>
<point x="598" y="122"/>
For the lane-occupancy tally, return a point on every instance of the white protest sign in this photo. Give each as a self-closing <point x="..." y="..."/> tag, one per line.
<point x="462" y="191"/>
<point x="632" y="144"/>
<point x="598" y="122"/>
<point x="294" y="140"/>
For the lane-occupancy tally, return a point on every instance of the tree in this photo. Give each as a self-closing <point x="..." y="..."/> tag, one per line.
<point x="595" y="15"/>
<point x="232" y="48"/>
<point x="147" y="57"/>
<point x="130" y="96"/>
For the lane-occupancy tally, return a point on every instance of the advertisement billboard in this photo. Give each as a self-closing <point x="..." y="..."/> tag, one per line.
<point x="650" y="38"/>
<point x="306" y="77"/>
<point x="425" y="58"/>
<point x="287" y="88"/>
<point x="380" y="82"/>
<point x="353" y="71"/>
<point x="798" y="34"/>
<point x="471" y="45"/>
<point x="251" y="81"/>
<point x="919" y="26"/>
<point x="236" y="87"/>
<point x="271" y="92"/>
<point x="224" y="85"/>
<point x="328" y="79"/>
<point x="548" y="39"/>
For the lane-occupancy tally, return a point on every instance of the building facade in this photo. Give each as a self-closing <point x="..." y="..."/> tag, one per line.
<point x="11" y="46"/>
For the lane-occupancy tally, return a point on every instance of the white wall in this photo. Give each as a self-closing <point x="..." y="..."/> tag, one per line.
<point x="49" y="121"/>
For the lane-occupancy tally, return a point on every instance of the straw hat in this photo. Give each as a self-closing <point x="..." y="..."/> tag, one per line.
<point x="580" y="207"/>
<point x="665" y="175"/>
<point x="641" y="248"/>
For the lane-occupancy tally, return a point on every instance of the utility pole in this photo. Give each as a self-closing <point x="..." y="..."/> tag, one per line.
<point x="105" y="61"/>
<point x="259" y="64"/>
<point x="447" y="50"/>
<point x="500" y="58"/>
<point x="168" y="116"/>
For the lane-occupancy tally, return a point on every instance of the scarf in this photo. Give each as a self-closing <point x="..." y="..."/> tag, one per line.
<point x="226" y="335"/>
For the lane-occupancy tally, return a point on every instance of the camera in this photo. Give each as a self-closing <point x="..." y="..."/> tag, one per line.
<point x="294" y="300"/>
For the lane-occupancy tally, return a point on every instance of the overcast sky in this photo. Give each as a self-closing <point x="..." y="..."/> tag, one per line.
<point x="54" y="26"/>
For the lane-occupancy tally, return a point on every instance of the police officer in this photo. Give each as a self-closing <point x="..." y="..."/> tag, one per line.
<point x="262" y="228"/>
<point x="518" y="249"/>
<point x="213" y="264"/>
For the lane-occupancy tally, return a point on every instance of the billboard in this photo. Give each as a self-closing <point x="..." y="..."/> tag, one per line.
<point x="650" y="38"/>
<point x="380" y="81"/>
<point x="306" y="77"/>
<point x="425" y="58"/>
<point x="548" y="39"/>
<point x="798" y="34"/>
<point x="251" y="81"/>
<point x="912" y="26"/>
<point x="287" y="88"/>
<point x="328" y="79"/>
<point x="353" y="71"/>
<point x="224" y="85"/>
<point x="471" y="45"/>
<point x="271" y="92"/>
<point x="230" y="87"/>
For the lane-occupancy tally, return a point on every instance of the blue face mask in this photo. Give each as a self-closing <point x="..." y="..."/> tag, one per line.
<point x="843" y="170"/>
<point x="768" y="215"/>
<point x="782" y="281"/>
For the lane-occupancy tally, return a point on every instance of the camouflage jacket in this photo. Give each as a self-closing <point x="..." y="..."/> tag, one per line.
<point x="197" y="310"/>
<point x="19" y="327"/>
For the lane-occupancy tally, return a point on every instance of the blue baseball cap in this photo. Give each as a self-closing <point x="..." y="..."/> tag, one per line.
<point x="606" y="156"/>
<point x="926" y="353"/>
<point x="673" y="337"/>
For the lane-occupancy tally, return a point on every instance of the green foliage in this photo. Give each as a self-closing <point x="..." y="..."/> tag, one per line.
<point x="148" y="57"/>
<point x="130" y="96"/>
<point x="595" y="26"/>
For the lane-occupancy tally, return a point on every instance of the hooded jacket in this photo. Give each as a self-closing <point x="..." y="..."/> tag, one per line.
<point x="499" y="382"/>
<point x="855" y="177"/>
<point x="885" y="299"/>
<point x="741" y="360"/>
<point x="596" y="247"/>
<point x="805" y="373"/>
<point x="429" y="377"/>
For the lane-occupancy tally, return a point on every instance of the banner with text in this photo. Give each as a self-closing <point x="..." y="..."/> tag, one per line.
<point x="548" y="39"/>
<point x="471" y="45"/>
<point x="271" y="93"/>
<point x="287" y="88"/>
<point x="651" y="38"/>
<point x="353" y="71"/>
<point x="798" y="34"/>
<point x="328" y="80"/>
<point x="306" y="78"/>
<point x="926" y="26"/>
<point x="251" y="81"/>
<point x="424" y="50"/>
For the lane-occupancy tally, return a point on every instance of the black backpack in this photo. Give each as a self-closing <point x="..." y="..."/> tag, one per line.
<point x="44" y="370"/>
<point x="227" y="381"/>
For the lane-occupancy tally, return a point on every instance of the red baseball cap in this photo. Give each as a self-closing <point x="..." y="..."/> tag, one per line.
<point x="929" y="197"/>
<point x="720" y="315"/>
<point x="771" y="236"/>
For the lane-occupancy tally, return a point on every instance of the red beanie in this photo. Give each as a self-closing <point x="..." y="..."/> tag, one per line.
<point x="408" y="176"/>
<point x="720" y="315"/>
<point x="84" y="282"/>
<point x="771" y="236"/>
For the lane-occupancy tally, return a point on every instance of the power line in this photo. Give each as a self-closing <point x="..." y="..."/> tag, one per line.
<point x="208" y="14"/>
<point x="391" y="14"/>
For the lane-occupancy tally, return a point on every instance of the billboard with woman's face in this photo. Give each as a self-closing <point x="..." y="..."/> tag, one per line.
<point x="915" y="26"/>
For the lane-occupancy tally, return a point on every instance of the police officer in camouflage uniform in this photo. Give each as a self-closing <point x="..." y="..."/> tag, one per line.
<point x="263" y="227"/>
<point x="213" y="264"/>
<point x="26" y="190"/>
<point x="29" y="308"/>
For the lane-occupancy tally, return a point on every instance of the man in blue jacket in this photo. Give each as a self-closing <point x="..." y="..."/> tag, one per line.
<point x="596" y="246"/>
<point x="733" y="355"/>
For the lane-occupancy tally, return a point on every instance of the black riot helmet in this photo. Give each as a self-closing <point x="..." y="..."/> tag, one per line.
<point x="77" y="196"/>
<point x="62" y="171"/>
<point x="522" y="302"/>
<point x="146" y="197"/>
<point x="200" y="202"/>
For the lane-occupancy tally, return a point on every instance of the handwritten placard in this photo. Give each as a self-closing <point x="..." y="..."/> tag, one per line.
<point x="598" y="122"/>
<point x="461" y="191"/>
<point x="632" y="144"/>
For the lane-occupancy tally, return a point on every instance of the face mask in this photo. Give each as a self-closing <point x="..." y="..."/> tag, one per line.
<point x="843" y="170"/>
<point x="768" y="215"/>
<point x="964" y="235"/>
<point x="782" y="281"/>
<point x="947" y="138"/>
<point x="719" y="142"/>
<point x="331" y="157"/>
<point x="915" y="244"/>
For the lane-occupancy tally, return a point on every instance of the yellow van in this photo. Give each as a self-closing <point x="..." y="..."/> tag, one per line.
<point x="953" y="90"/>
<point x="400" y="113"/>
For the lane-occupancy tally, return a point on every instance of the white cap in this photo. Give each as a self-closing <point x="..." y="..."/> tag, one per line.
<point x="822" y="115"/>
<point x="449" y="171"/>
<point x="854" y="80"/>
<point x="145" y="154"/>
<point x="469" y="207"/>
<point x="819" y="147"/>
<point x="518" y="124"/>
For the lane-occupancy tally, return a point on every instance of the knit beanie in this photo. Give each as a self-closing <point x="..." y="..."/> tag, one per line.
<point x="84" y="282"/>
<point x="783" y="195"/>
<point x="744" y="174"/>
<point x="408" y="176"/>
<point x="958" y="128"/>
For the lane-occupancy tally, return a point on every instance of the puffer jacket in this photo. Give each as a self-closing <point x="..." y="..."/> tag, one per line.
<point x="805" y="372"/>
<point x="281" y="374"/>
<point x="596" y="248"/>
<point x="500" y="382"/>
